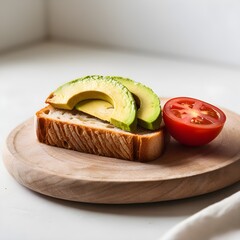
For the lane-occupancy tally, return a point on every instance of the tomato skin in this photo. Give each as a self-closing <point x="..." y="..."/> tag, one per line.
<point x="189" y="133"/>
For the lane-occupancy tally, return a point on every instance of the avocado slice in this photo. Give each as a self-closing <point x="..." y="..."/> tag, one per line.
<point x="98" y="87"/>
<point x="97" y="108"/>
<point x="149" y="109"/>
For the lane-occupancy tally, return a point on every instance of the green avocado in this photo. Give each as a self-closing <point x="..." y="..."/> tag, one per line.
<point x="98" y="87"/>
<point x="97" y="108"/>
<point x="149" y="109"/>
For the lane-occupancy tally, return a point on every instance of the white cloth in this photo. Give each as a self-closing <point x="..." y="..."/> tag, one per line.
<point x="220" y="221"/>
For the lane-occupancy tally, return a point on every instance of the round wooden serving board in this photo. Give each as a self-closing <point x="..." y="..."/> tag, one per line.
<point x="181" y="172"/>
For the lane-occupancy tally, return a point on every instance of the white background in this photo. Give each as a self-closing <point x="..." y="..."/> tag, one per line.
<point x="201" y="29"/>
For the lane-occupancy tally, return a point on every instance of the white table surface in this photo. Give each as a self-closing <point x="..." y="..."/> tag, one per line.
<point x="28" y="75"/>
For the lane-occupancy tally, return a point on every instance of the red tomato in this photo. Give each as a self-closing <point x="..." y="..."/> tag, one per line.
<point x="191" y="121"/>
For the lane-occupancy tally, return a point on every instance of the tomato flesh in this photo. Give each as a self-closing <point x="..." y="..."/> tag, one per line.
<point x="191" y="121"/>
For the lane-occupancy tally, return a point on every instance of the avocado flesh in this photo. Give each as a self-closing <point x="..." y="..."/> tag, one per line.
<point x="98" y="87"/>
<point x="97" y="108"/>
<point x="149" y="111"/>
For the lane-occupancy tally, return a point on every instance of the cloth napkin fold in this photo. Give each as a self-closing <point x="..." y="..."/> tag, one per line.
<point x="220" y="221"/>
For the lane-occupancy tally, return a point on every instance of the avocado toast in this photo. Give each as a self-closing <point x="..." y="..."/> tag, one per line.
<point x="99" y="115"/>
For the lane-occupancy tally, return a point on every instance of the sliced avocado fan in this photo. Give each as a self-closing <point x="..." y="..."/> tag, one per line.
<point x="98" y="87"/>
<point x="149" y="108"/>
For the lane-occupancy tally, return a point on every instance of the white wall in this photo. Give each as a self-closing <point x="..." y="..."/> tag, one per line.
<point x="202" y="29"/>
<point x="21" y="22"/>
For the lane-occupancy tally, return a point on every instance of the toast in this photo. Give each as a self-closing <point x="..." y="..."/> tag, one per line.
<point x="72" y="129"/>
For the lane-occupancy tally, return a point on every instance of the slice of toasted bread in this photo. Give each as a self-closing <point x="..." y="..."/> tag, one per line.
<point x="84" y="133"/>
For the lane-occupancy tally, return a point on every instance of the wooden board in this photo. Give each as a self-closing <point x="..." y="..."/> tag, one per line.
<point x="181" y="172"/>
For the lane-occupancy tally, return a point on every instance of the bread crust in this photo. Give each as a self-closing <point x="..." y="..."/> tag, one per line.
<point x="86" y="134"/>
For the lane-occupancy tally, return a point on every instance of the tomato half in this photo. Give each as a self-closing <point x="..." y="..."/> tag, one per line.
<point x="191" y="121"/>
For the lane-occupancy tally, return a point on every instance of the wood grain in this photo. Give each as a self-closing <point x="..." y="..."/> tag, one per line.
<point x="181" y="172"/>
